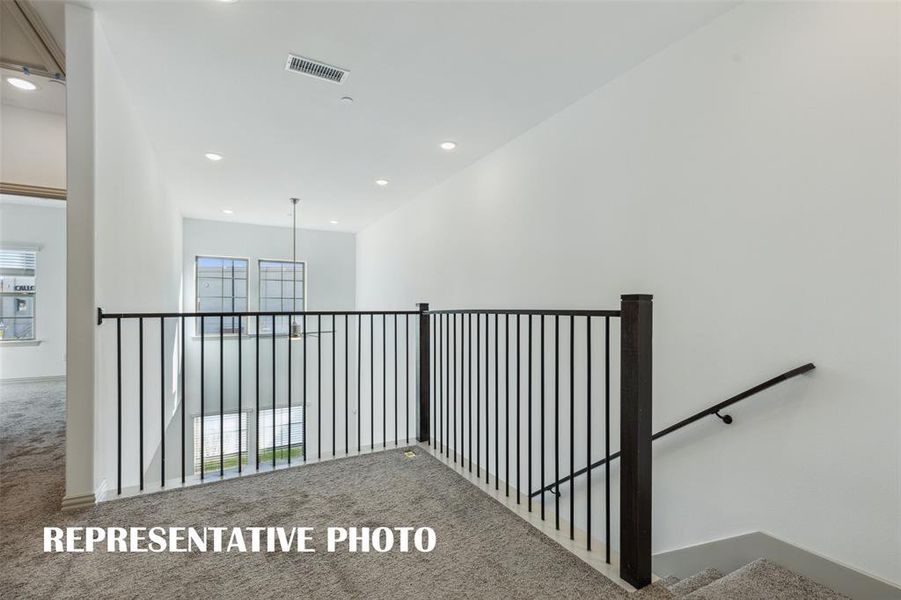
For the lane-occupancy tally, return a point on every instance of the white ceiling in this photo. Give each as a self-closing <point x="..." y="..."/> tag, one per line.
<point x="50" y="96"/>
<point x="208" y="76"/>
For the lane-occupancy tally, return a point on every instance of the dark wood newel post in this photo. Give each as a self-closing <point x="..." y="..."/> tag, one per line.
<point x="423" y="376"/>
<point x="635" y="439"/>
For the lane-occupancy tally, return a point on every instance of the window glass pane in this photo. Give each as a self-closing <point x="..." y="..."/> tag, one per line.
<point x="212" y="433"/>
<point x="270" y="304"/>
<point x="240" y="287"/>
<point x="209" y="305"/>
<point x="208" y="287"/>
<point x="18" y="329"/>
<point x="24" y="306"/>
<point x="281" y="428"/>
<point x="17" y="286"/>
<point x="8" y="306"/>
<point x="271" y="289"/>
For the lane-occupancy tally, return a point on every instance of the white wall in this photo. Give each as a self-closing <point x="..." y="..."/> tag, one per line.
<point x="32" y="147"/>
<point x="41" y="225"/>
<point x="747" y="176"/>
<point x="137" y="257"/>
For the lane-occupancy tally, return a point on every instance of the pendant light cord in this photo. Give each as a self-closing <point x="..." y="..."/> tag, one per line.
<point x="294" y="259"/>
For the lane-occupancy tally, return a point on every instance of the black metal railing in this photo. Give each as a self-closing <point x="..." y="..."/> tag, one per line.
<point x="713" y="410"/>
<point x="437" y="371"/>
<point x="512" y="398"/>
<point x="312" y="371"/>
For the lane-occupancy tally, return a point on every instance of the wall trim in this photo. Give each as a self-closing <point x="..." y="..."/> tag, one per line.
<point x="43" y="379"/>
<point x="32" y="191"/>
<point x="731" y="553"/>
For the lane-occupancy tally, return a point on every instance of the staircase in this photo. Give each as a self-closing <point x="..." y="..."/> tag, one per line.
<point x="759" y="580"/>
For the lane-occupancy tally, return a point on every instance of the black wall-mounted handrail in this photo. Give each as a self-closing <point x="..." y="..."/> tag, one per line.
<point x="711" y="411"/>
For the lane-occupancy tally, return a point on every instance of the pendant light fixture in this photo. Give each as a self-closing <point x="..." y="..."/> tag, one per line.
<point x="295" y="333"/>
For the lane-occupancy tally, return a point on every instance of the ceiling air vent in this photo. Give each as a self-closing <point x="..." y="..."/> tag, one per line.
<point x="315" y="68"/>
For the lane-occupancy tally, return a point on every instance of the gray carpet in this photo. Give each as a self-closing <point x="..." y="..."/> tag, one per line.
<point x="484" y="551"/>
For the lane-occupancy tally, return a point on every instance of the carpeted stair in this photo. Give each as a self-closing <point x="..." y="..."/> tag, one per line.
<point x="759" y="580"/>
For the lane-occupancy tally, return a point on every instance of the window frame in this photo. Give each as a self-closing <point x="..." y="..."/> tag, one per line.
<point x="33" y="340"/>
<point x="197" y="257"/>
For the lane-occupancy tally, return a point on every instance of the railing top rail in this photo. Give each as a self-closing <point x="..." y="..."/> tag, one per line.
<point x="528" y="311"/>
<point x="101" y="316"/>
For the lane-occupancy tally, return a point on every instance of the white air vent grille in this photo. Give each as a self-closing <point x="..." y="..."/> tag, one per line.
<point x="315" y="68"/>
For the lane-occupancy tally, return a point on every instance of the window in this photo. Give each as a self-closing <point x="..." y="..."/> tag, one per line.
<point x="281" y="433"/>
<point x="221" y="285"/>
<point x="276" y="277"/>
<point x="17" y="293"/>
<point x="211" y="437"/>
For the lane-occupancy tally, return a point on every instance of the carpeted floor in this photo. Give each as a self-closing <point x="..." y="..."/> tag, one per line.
<point x="483" y="551"/>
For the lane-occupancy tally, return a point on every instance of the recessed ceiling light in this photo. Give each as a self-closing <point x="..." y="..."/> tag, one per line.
<point x="228" y="211"/>
<point x="381" y="182"/>
<point x="448" y="145"/>
<point x="213" y="156"/>
<point x="347" y="100"/>
<point x="333" y="222"/>
<point x="227" y="1"/>
<point x="22" y="84"/>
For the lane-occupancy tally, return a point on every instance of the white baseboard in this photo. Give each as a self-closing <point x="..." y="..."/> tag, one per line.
<point x="729" y="554"/>
<point x="44" y="379"/>
<point x="78" y="502"/>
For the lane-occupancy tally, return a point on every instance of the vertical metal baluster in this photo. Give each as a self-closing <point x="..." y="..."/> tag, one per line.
<point x="359" y="378"/>
<point x="289" y="373"/>
<point x="240" y="391"/>
<point x="141" y="402"/>
<point x="119" y="406"/>
<point x="202" y="394"/>
<point x="407" y="371"/>
<point x="572" y="425"/>
<point x="469" y="390"/>
<point x="181" y="360"/>
<point x="433" y="397"/>
<point x="221" y="396"/>
<point x="506" y="405"/>
<point x="273" y="391"/>
<point x="486" y="391"/>
<point x="257" y="376"/>
<point x="334" y="408"/>
<point x="588" y="429"/>
<point x="371" y="382"/>
<point x="447" y="379"/>
<point x="541" y="399"/>
<point x="478" y="386"/>
<point x="384" y="383"/>
<point x="395" y="380"/>
<point x="454" y="383"/>
<point x="162" y="402"/>
<point x="346" y="383"/>
<point x="518" y="429"/>
<point x="440" y="384"/>
<point x="497" y="402"/>
<point x="607" y="435"/>
<point x="319" y="387"/>
<point x="303" y="433"/>
<point x="557" y="421"/>
<point x="529" y="417"/>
